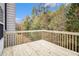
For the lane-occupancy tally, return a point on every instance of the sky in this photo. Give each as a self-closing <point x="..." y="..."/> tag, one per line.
<point x="25" y="9"/>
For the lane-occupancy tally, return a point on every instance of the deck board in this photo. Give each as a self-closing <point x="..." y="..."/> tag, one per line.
<point x="38" y="48"/>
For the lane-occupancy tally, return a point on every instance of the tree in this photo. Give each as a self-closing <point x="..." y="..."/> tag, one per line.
<point x="35" y="24"/>
<point x="57" y="19"/>
<point x="33" y="11"/>
<point x="44" y="20"/>
<point x="26" y="23"/>
<point x="72" y="15"/>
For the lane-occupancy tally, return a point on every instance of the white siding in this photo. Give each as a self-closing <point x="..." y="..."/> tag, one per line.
<point x="11" y="16"/>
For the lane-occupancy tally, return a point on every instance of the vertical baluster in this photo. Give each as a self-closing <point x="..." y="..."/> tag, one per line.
<point x="15" y="38"/>
<point x="18" y="38"/>
<point x="64" y="40"/>
<point x="41" y="35"/>
<point x="55" y="38"/>
<point x="73" y="42"/>
<point x="5" y="40"/>
<point x="52" y="37"/>
<point x="21" y="41"/>
<point x="67" y="41"/>
<point x="76" y="43"/>
<point x="12" y="42"/>
<point x="49" y="36"/>
<point x="45" y="36"/>
<point x="8" y="39"/>
<point x="60" y="39"/>
<point x="24" y="39"/>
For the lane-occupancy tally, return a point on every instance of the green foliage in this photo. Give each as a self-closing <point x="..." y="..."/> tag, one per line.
<point x="57" y="20"/>
<point x="72" y="23"/>
<point x="35" y="23"/>
<point x="26" y="23"/>
<point x="33" y="11"/>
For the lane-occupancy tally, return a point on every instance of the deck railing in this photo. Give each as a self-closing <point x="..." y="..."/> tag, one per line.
<point x="67" y="40"/>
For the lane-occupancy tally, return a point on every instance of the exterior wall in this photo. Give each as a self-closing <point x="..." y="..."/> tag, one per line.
<point x="11" y="16"/>
<point x="2" y="22"/>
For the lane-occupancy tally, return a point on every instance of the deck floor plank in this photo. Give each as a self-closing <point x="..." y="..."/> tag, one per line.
<point x="56" y="49"/>
<point x="23" y="50"/>
<point x="38" y="48"/>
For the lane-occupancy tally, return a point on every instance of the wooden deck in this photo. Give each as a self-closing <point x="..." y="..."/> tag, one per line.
<point x="38" y="48"/>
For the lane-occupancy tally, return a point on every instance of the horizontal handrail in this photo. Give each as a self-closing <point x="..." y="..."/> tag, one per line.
<point x="52" y="31"/>
<point x="24" y="31"/>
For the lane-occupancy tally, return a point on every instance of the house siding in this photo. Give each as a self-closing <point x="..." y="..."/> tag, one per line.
<point x="11" y="16"/>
